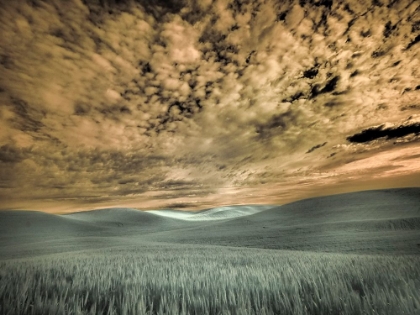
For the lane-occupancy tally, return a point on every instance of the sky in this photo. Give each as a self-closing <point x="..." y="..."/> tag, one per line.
<point x="196" y="104"/>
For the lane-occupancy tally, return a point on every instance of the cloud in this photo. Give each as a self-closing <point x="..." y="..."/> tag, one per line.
<point x="374" y="133"/>
<point x="132" y="100"/>
<point x="316" y="147"/>
<point x="12" y="154"/>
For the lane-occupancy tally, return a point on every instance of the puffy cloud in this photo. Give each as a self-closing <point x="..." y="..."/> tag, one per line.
<point x="136" y="102"/>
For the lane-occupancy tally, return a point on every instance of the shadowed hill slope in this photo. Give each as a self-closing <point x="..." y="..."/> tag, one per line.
<point x="27" y="233"/>
<point x="35" y="223"/>
<point x="33" y="233"/>
<point x="117" y="217"/>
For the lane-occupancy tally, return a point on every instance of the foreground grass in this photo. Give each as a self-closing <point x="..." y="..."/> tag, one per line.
<point x="166" y="279"/>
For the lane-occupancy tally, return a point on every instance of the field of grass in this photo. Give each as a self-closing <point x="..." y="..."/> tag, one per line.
<point x="193" y="279"/>
<point x="346" y="254"/>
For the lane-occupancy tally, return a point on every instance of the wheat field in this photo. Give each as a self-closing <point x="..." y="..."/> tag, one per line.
<point x="188" y="279"/>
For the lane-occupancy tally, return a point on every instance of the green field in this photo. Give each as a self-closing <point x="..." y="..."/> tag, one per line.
<point x="346" y="254"/>
<point x="168" y="279"/>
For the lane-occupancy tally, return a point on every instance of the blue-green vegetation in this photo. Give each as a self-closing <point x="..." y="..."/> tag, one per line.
<point x="177" y="279"/>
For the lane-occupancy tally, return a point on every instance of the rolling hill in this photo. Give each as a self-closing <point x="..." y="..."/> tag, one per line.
<point x="219" y="213"/>
<point x="378" y="221"/>
<point x="381" y="221"/>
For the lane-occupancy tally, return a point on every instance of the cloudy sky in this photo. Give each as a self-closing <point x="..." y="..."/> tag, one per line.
<point x="193" y="104"/>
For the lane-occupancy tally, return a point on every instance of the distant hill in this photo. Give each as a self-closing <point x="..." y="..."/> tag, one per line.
<point x="367" y="221"/>
<point x="116" y="217"/>
<point x="380" y="221"/>
<point x="219" y="213"/>
<point x="18" y="223"/>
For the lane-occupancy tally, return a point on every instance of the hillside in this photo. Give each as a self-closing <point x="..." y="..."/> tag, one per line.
<point x="369" y="222"/>
<point x="381" y="221"/>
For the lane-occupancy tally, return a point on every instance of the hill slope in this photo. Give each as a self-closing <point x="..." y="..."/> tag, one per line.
<point x="383" y="221"/>
<point x="368" y="221"/>
<point x="219" y="213"/>
<point x="116" y="217"/>
<point x="35" y="223"/>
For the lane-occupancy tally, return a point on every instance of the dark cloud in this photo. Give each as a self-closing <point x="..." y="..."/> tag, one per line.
<point x="316" y="147"/>
<point x="410" y="107"/>
<point x="27" y="119"/>
<point x="179" y="184"/>
<point x="413" y="42"/>
<point x="389" y="29"/>
<point x="310" y="73"/>
<point x="179" y="205"/>
<point x="329" y="87"/>
<point x="81" y="109"/>
<point x="151" y="6"/>
<point x="12" y="154"/>
<point x="374" y="133"/>
<point x="276" y="125"/>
